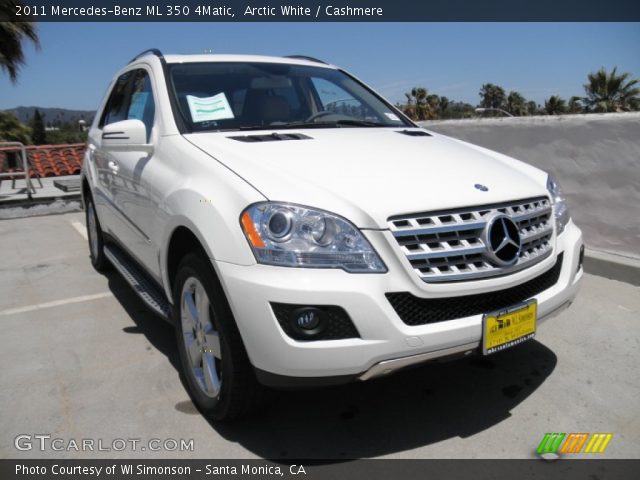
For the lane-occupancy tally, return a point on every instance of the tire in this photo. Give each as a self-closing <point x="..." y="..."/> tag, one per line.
<point x="213" y="360"/>
<point x="94" y="237"/>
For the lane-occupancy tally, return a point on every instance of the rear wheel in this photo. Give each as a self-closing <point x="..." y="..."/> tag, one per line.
<point x="94" y="236"/>
<point x="214" y="362"/>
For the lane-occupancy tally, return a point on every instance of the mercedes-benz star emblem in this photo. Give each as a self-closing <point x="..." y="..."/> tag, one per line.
<point x="481" y="187"/>
<point x="502" y="239"/>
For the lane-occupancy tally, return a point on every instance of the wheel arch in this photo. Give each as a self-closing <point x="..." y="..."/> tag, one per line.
<point x="182" y="238"/>
<point x="181" y="242"/>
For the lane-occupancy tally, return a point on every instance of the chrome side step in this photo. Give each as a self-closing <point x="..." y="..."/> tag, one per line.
<point x="146" y="290"/>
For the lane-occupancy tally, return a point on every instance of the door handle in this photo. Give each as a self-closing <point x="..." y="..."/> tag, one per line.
<point x="113" y="166"/>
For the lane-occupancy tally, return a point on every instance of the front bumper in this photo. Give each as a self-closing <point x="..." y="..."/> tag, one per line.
<point x="386" y="343"/>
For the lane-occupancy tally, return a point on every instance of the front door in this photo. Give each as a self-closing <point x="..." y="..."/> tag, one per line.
<point x="127" y="173"/>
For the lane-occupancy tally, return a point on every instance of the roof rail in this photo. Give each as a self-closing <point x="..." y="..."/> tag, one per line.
<point x="153" y="51"/>
<point x="305" y="57"/>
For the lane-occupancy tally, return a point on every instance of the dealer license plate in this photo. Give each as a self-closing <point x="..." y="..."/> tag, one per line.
<point x="508" y="327"/>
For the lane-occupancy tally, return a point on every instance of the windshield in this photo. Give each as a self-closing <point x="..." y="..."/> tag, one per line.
<point x="244" y="96"/>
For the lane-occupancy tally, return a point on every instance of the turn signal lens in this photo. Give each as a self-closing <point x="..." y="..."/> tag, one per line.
<point x="250" y="231"/>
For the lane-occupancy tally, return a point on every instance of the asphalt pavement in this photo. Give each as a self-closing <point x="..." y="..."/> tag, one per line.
<point x="82" y="358"/>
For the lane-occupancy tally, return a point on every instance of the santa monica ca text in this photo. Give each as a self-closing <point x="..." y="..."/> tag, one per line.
<point x="143" y="469"/>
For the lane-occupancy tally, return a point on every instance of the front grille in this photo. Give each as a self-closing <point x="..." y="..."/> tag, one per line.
<point x="447" y="246"/>
<point x="420" y="311"/>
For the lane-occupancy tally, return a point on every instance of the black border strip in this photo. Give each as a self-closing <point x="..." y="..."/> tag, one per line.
<point x="321" y="11"/>
<point x="562" y="469"/>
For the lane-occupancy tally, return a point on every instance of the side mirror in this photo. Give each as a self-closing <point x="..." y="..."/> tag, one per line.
<point x="127" y="135"/>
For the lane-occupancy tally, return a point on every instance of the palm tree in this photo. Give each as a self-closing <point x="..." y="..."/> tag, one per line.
<point x="555" y="105"/>
<point x="575" y="105"/>
<point x="610" y="92"/>
<point x="443" y="105"/>
<point x="516" y="104"/>
<point x="533" y="108"/>
<point x="420" y="105"/>
<point x="12" y="36"/>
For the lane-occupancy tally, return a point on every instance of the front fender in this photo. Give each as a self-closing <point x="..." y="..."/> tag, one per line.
<point x="215" y="222"/>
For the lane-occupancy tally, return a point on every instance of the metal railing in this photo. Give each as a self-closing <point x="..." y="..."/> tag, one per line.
<point x="26" y="167"/>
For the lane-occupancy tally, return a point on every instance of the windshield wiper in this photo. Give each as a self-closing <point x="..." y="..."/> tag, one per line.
<point x="288" y="126"/>
<point x="360" y="123"/>
<point x="337" y="123"/>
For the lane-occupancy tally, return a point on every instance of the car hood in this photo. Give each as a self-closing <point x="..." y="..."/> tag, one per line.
<point x="370" y="174"/>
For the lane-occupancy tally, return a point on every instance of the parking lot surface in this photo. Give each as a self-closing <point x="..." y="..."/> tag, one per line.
<point x="82" y="358"/>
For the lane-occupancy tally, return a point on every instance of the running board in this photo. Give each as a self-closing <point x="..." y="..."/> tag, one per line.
<point x="150" y="294"/>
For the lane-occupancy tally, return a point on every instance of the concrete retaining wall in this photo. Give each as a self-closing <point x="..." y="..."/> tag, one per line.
<point x="595" y="157"/>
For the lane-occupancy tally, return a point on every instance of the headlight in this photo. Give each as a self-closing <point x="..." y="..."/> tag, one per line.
<point x="294" y="236"/>
<point x="559" y="203"/>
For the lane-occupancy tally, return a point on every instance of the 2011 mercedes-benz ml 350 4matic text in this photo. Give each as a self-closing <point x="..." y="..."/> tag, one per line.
<point x="298" y="229"/>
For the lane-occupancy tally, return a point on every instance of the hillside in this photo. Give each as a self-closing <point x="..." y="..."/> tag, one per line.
<point x="53" y="116"/>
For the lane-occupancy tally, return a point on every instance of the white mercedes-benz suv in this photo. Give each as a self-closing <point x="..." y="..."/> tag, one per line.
<point x="299" y="230"/>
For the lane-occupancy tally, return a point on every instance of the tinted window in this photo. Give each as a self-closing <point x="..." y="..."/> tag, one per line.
<point x="131" y="98"/>
<point x="141" y="105"/>
<point x="117" y="106"/>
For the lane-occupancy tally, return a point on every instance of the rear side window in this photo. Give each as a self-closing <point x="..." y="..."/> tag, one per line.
<point x="131" y="98"/>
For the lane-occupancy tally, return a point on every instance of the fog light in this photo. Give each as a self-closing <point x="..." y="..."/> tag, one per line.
<point x="308" y="320"/>
<point x="581" y="257"/>
<point x="314" y="322"/>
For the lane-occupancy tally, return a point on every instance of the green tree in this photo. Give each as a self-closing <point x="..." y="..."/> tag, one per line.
<point x="12" y="36"/>
<point x="516" y="104"/>
<point x="493" y="96"/>
<point x="575" y="105"/>
<point x="610" y="92"/>
<point x="443" y="106"/>
<point x="555" y="105"/>
<point x="59" y="137"/>
<point x="458" y="110"/>
<point x="433" y="103"/>
<point x="11" y="130"/>
<point x="38" y="135"/>
<point x="532" y="108"/>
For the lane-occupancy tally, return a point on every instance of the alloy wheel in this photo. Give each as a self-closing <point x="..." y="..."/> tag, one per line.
<point x="201" y="338"/>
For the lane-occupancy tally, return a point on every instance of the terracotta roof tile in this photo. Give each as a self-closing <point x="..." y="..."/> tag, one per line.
<point x="50" y="160"/>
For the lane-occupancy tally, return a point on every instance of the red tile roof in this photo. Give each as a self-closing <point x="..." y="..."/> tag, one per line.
<point x="50" y="160"/>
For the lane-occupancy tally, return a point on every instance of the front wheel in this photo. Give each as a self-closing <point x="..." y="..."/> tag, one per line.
<point x="94" y="236"/>
<point x="214" y="362"/>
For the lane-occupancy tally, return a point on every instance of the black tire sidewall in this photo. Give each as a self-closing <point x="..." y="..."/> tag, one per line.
<point x="194" y="265"/>
<point x="98" y="260"/>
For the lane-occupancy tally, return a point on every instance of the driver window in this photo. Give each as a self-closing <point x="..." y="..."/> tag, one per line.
<point x="117" y="105"/>
<point x="142" y="107"/>
<point x="131" y="98"/>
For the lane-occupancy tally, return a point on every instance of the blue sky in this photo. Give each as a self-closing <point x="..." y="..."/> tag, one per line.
<point x="538" y="59"/>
